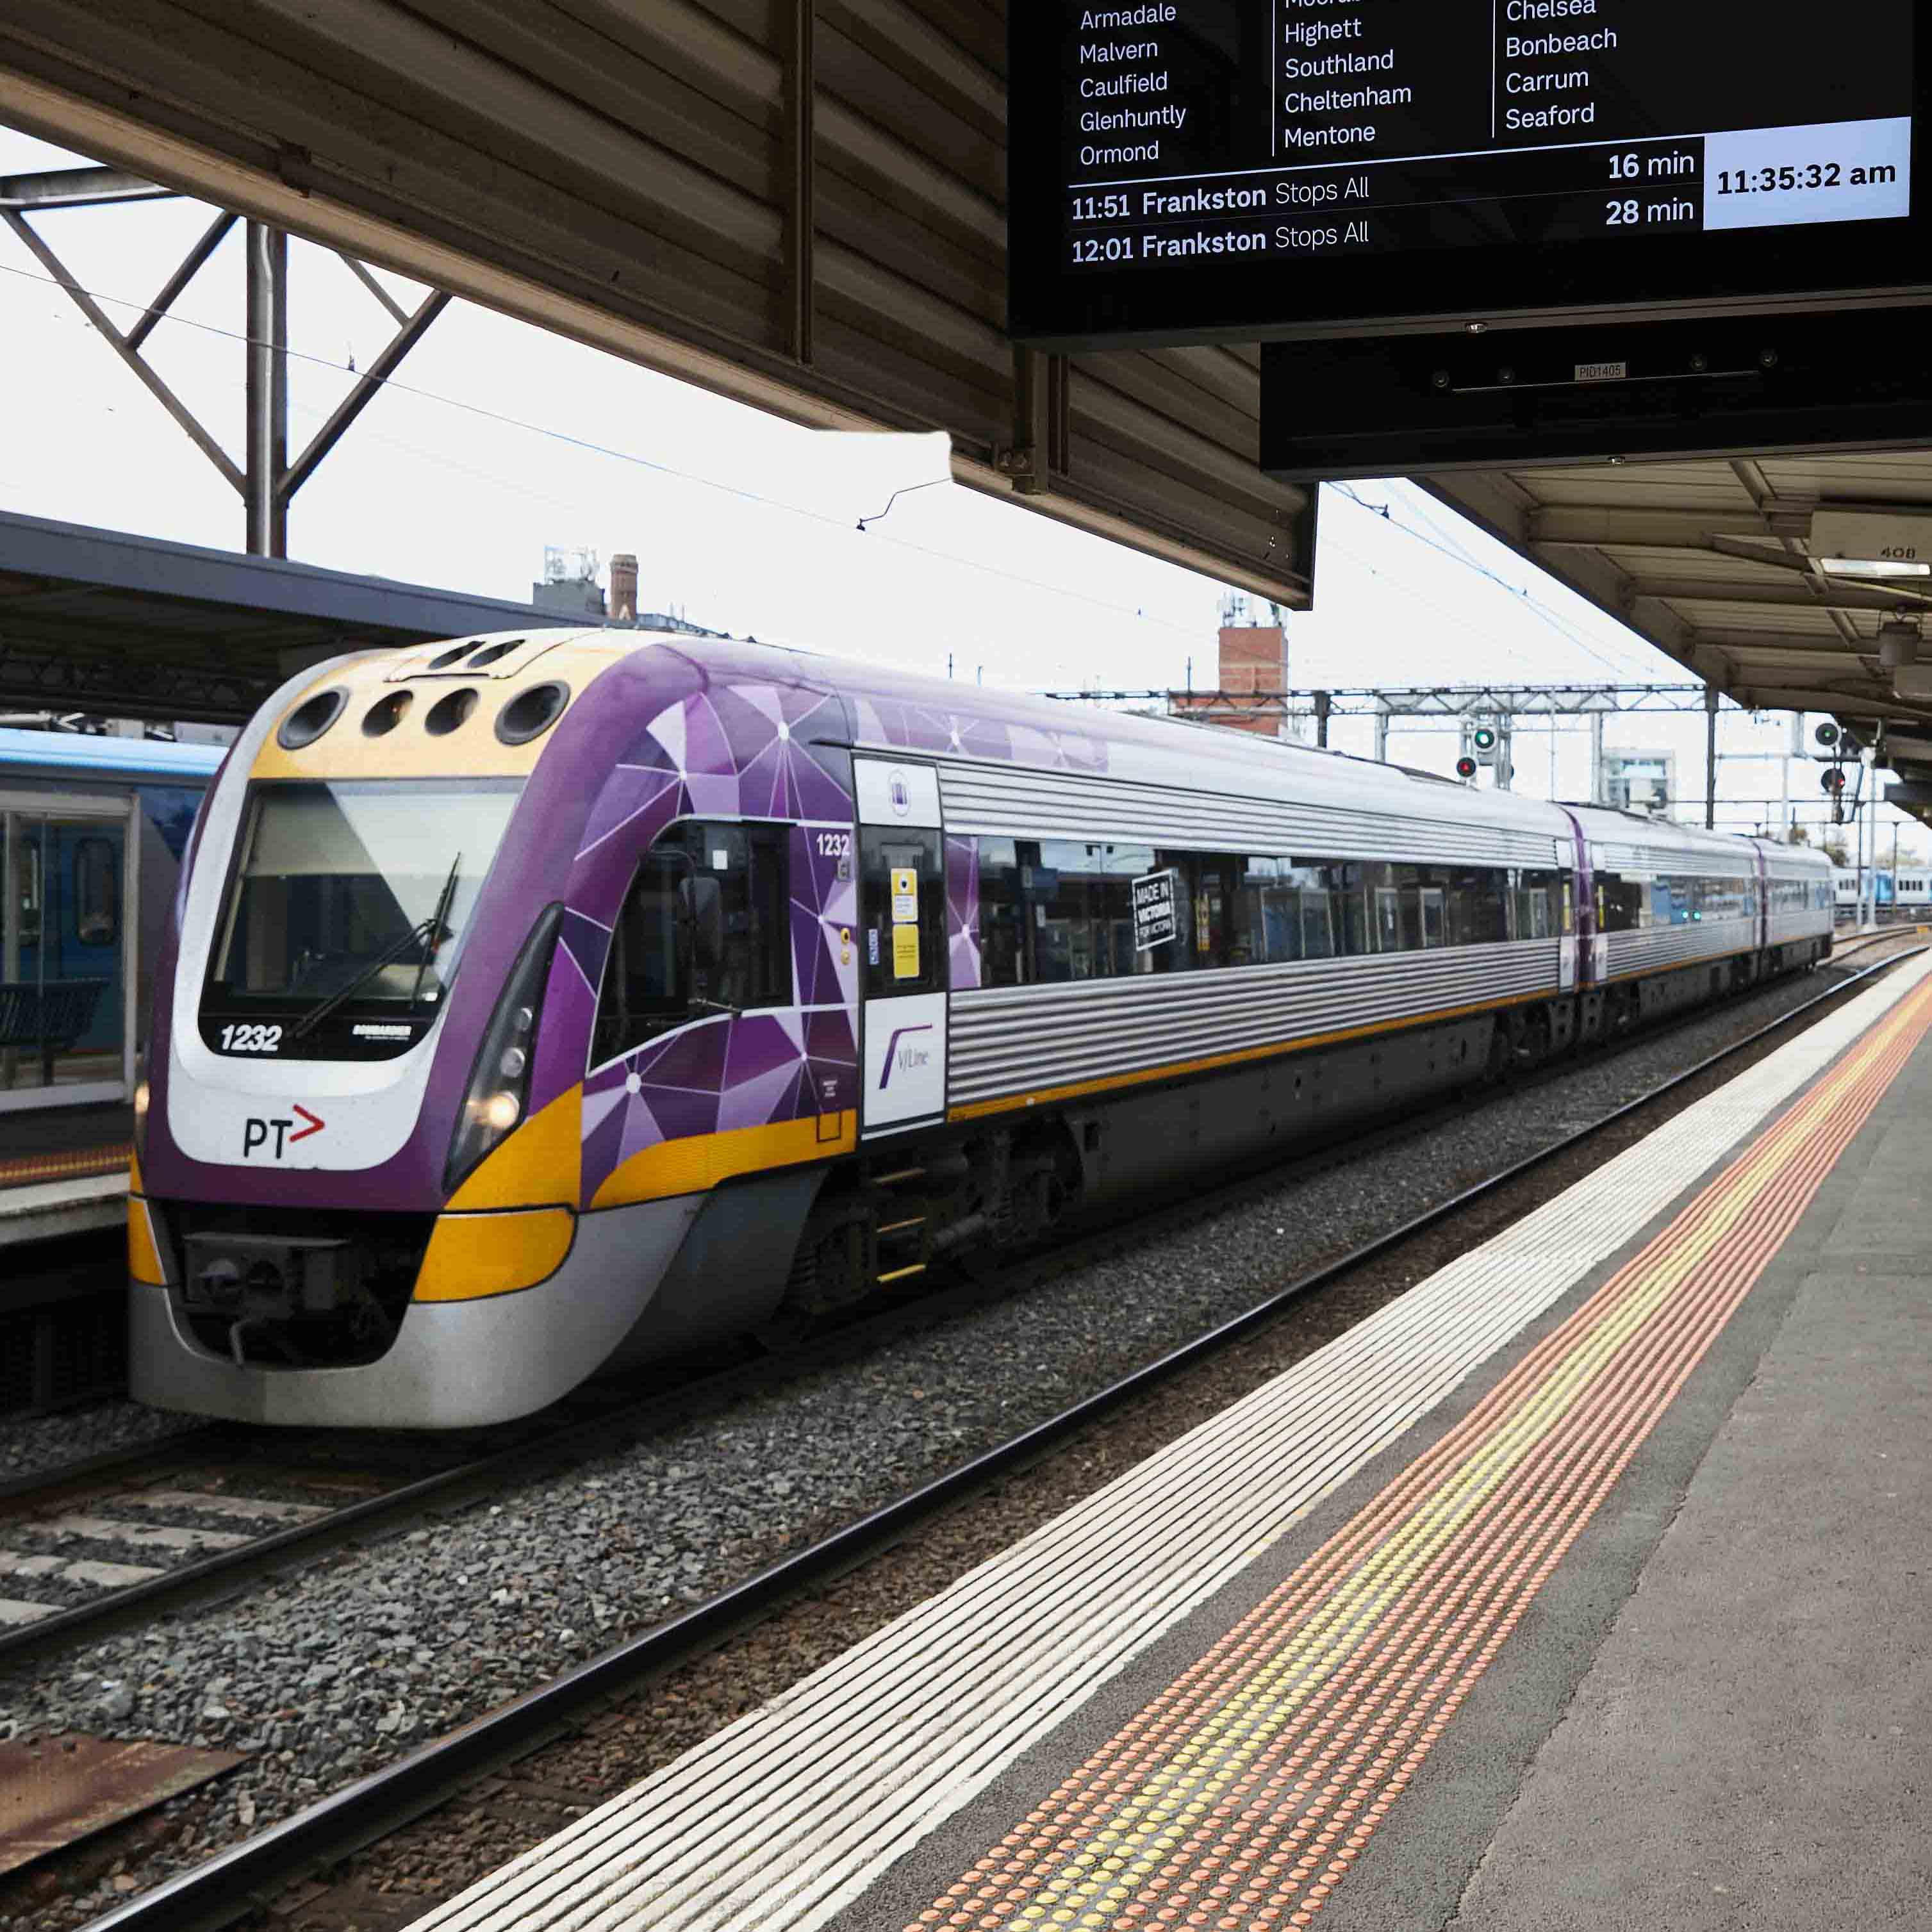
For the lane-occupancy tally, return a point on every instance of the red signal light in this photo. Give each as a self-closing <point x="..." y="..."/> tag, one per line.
<point x="1466" y="768"/>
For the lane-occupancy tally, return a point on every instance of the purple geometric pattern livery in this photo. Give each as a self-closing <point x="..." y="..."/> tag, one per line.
<point x="918" y="727"/>
<point x="727" y="750"/>
<point x="962" y="913"/>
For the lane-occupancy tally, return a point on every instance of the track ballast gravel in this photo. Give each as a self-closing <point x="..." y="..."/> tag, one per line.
<point x="336" y="1668"/>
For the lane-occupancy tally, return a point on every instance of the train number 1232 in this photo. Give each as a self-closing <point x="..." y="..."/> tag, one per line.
<point x="251" y="1040"/>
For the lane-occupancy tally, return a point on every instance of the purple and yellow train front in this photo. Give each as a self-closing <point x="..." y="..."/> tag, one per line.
<point x="492" y="963"/>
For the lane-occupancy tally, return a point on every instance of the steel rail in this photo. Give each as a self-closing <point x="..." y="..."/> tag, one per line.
<point x="186" y="1579"/>
<point x="184" y="1582"/>
<point x="249" y="1875"/>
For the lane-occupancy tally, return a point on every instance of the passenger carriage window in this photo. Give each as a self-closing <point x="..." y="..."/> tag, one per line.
<point x="1623" y="905"/>
<point x="1434" y="916"/>
<point x="28" y="871"/>
<point x="1062" y="911"/>
<point x="703" y="931"/>
<point x="96" y="892"/>
<point x="1536" y="904"/>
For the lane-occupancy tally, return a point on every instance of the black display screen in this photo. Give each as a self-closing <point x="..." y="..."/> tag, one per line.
<point x="1199" y="168"/>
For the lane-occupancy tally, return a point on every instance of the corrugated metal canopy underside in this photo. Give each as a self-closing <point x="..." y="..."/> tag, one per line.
<point x="1712" y="561"/>
<point x="125" y="626"/>
<point x="798" y="202"/>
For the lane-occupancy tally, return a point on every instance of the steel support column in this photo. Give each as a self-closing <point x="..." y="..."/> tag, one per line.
<point x="1711" y="697"/>
<point x="267" y="436"/>
<point x="1324" y="704"/>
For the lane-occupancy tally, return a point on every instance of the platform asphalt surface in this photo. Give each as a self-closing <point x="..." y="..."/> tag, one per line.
<point x="1716" y="1712"/>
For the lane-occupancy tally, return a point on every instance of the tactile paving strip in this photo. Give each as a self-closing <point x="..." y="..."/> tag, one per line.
<point x="789" y="1815"/>
<point x="27" y="1170"/>
<point x="1240" y="1797"/>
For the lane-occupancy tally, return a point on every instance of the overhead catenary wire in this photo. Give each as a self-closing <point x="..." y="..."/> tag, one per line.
<point x="591" y="446"/>
<point x="1458" y="553"/>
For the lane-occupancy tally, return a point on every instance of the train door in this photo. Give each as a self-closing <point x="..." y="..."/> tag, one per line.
<point x="66" y="946"/>
<point x="902" y="968"/>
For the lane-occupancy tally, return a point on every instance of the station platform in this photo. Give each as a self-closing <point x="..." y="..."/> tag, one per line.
<point x="1589" y="1584"/>
<point x="63" y="1171"/>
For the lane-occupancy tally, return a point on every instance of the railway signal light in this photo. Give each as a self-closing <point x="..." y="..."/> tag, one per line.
<point x="1484" y="738"/>
<point x="1827" y="734"/>
<point x="1465" y="767"/>
<point x="1833" y="780"/>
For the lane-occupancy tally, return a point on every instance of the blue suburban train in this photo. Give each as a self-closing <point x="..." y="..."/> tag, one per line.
<point x="92" y="834"/>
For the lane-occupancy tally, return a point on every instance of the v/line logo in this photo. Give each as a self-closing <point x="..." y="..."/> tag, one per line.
<point x="903" y="1056"/>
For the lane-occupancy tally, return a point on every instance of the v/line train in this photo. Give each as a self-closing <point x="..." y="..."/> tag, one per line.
<point x="537" y="1005"/>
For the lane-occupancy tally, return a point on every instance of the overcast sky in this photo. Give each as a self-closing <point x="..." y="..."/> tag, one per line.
<point x="497" y="440"/>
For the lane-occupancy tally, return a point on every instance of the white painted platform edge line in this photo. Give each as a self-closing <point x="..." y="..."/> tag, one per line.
<point x="1769" y="1082"/>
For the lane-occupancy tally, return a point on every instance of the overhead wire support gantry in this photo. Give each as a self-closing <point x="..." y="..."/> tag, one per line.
<point x="265" y="478"/>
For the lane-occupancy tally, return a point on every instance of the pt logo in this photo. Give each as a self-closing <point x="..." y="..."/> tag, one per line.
<point x="902" y="1056"/>
<point x="255" y="1132"/>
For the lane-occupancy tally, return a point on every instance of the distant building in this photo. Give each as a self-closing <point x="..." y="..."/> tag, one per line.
<point x="569" y="587"/>
<point x="1641" y="782"/>
<point x="1252" y="663"/>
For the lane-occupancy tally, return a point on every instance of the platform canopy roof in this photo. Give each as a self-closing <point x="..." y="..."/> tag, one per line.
<point x="799" y="203"/>
<point x="1717" y="563"/>
<point x="127" y="627"/>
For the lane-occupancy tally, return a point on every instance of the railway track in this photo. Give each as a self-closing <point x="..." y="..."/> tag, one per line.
<point x="232" y="1882"/>
<point x="88" y="1549"/>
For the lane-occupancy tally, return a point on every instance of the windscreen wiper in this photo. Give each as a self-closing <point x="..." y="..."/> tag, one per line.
<point x="422" y="934"/>
<point x="436" y="919"/>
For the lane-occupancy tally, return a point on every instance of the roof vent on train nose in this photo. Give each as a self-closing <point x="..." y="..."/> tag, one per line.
<point x="386" y="713"/>
<point x="454" y="655"/>
<point x="531" y="713"/>
<point x="311" y="718"/>
<point x="490" y="653"/>
<point x="447" y="713"/>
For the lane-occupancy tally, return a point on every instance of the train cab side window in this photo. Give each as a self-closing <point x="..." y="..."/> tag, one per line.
<point x="703" y="931"/>
<point x="96" y="892"/>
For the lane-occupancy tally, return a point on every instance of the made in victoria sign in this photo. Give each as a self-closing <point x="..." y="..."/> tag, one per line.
<point x="1198" y="169"/>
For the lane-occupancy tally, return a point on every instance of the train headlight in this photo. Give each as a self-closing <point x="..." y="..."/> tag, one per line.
<point x="141" y="1101"/>
<point x="500" y="1078"/>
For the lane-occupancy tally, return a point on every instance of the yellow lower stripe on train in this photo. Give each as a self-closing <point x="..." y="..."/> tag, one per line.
<point x="472" y="1256"/>
<point x="144" y="1253"/>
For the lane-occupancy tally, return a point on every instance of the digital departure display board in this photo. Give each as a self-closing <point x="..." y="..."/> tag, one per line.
<point x="1195" y="169"/>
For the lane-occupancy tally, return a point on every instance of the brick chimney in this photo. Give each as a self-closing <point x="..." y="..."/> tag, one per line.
<point x="623" y="588"/>
<point x="1253" y="661"/>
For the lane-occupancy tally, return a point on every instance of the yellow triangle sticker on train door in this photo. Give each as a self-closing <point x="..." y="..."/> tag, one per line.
<point x="905" y="952"/>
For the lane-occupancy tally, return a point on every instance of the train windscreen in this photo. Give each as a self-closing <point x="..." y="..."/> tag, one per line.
<point x="346" y="913"/>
